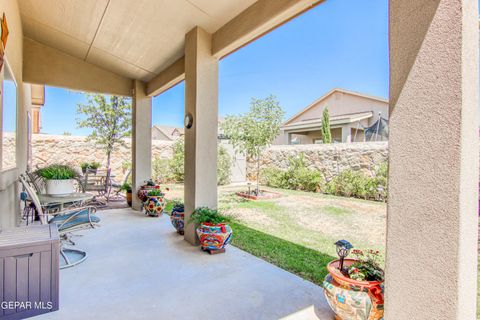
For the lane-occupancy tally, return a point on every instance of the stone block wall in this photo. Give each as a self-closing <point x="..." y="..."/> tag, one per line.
<point x="330" y="159"/>
<point x="73" y="150"/>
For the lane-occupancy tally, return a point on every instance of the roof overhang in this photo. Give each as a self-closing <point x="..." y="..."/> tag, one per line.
<point x="335" y="121"/>
<point x="139" y="40"/>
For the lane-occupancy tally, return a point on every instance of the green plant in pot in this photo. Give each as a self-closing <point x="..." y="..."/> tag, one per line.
<point x="354" y="287"/>
<point x="127" y="187"/>
<point x="212" y="229"/>
<point x="155" y="202"/>
<point x="59" y="179"/>
<point x="92" y="166"/>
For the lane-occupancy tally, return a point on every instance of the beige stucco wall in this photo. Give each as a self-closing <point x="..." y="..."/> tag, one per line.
<point x="46" y="65"/>
<point x="9" y="203"/>
<point x="340" y="103"/>
<point x="432" y="217"/>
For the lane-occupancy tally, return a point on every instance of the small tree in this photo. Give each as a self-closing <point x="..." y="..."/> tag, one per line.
<point x="251" y="133"/>
<point x="326" y="133"/>
<point x="110" y="121"/>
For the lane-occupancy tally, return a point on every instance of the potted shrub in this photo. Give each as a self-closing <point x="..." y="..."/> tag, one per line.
<point x="84" y="166"/>
<point x="93" y="166"/>
<point x="177" y="218"/>
<point x="213" y="231"/>
<point x="155" y="202"/>
<point x="127" y="187"/>
<point x="354" y="287"/>
<point x="59" y="179"/>
<point x="144" y="189"/>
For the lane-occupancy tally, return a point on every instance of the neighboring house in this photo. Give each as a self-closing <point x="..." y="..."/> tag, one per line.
<point x="166" y="133"/>
<point x="350" y="114"/>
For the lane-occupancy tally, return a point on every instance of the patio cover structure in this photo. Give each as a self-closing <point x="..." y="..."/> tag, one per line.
<point x="142" y="48"/>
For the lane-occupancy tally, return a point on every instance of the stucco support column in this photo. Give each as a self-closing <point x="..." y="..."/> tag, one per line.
<point x="346" y="134"/>
<point x="201" y="102"/>
<point x="141" y="139"/>
<point x="288" y="138"/>
<point x="431" y="257"/>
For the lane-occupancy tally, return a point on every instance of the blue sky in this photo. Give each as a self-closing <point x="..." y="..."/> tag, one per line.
<point x="337" y="44"/>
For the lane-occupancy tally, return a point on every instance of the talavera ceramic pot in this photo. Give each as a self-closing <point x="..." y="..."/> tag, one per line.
<point x="143" y="192"/>
<point x="351" y="299"/>
<point x="214" y="236"/>
<point x="154" y="205"/>
<point x="178" y="219"/>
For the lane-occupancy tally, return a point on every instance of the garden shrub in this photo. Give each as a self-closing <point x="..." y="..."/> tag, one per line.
<point x="173" y="170"/>
<point x="351" y="183"/>
<point x="161" y="170"/>
<point x="224" y="164"/>
<point x="297" y="176"/>
<point x="176" y="163"/>
<point x="348" y="183"/>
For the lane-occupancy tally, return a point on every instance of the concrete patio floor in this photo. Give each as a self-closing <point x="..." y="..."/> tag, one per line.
<point x="139" y="268"/>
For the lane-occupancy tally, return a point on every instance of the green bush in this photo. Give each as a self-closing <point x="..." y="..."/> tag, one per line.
<point x="172" y="170"/>
<point x="207" y="215"/>
<point x="297" y="176"/>
<point x="57" y="172"/>
<point x="160" y="170"/>
<point x="176" y="164"/>
<point x="348" y="183"/>
<point x="351" y="183"/>
<point x="224" y="164"/>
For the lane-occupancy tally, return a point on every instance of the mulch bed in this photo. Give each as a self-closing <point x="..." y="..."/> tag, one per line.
<point x="264" y="195"/>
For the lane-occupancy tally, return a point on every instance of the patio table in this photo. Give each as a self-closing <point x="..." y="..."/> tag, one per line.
<point x="73" y="198"/>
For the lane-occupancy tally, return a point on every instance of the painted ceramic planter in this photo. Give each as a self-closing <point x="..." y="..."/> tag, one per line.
<point x="143" y="192"/>
<point x="351" y="299"/>
<point x="214" y="236"/>
<point x="178" y="219"/>
<point x="154" y="205"/>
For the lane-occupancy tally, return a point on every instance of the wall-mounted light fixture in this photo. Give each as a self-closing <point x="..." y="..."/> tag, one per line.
<point x="188" y="120"/>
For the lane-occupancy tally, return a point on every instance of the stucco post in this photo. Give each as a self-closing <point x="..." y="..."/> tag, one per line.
<point x="141" y="139"/>
<point x="346" y="134"/>
<point x="201" y="102"/>
<point x="431" y="257"/>
<point x="288" y="137"/>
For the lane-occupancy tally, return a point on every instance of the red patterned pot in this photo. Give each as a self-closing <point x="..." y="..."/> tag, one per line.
<point x="143" y="192"/>
<point x="351" y="299"/>
<point x="154" y="205"/>
<point x="214" y="236"/>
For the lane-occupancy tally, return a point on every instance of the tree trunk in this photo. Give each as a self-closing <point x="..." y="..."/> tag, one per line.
<point x="258" y="175"/>
<point x="109" y="153"/>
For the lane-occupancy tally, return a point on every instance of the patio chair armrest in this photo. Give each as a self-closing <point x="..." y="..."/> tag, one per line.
<point x="81" y="210"/>
<point x="91" y="209"/>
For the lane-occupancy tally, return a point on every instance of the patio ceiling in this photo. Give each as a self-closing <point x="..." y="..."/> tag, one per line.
<point x="134" y="39"/>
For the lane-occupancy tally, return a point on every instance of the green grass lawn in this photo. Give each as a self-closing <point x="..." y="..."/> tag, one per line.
<point x="297" y="232"/>
<point x="307" y="263"/>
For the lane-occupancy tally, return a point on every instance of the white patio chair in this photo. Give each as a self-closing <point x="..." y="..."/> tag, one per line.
<point x="67" y="221"/>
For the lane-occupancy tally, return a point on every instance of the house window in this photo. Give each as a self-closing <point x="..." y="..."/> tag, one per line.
<point x="9" y="119"/>
<point x="317" y="141"/>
